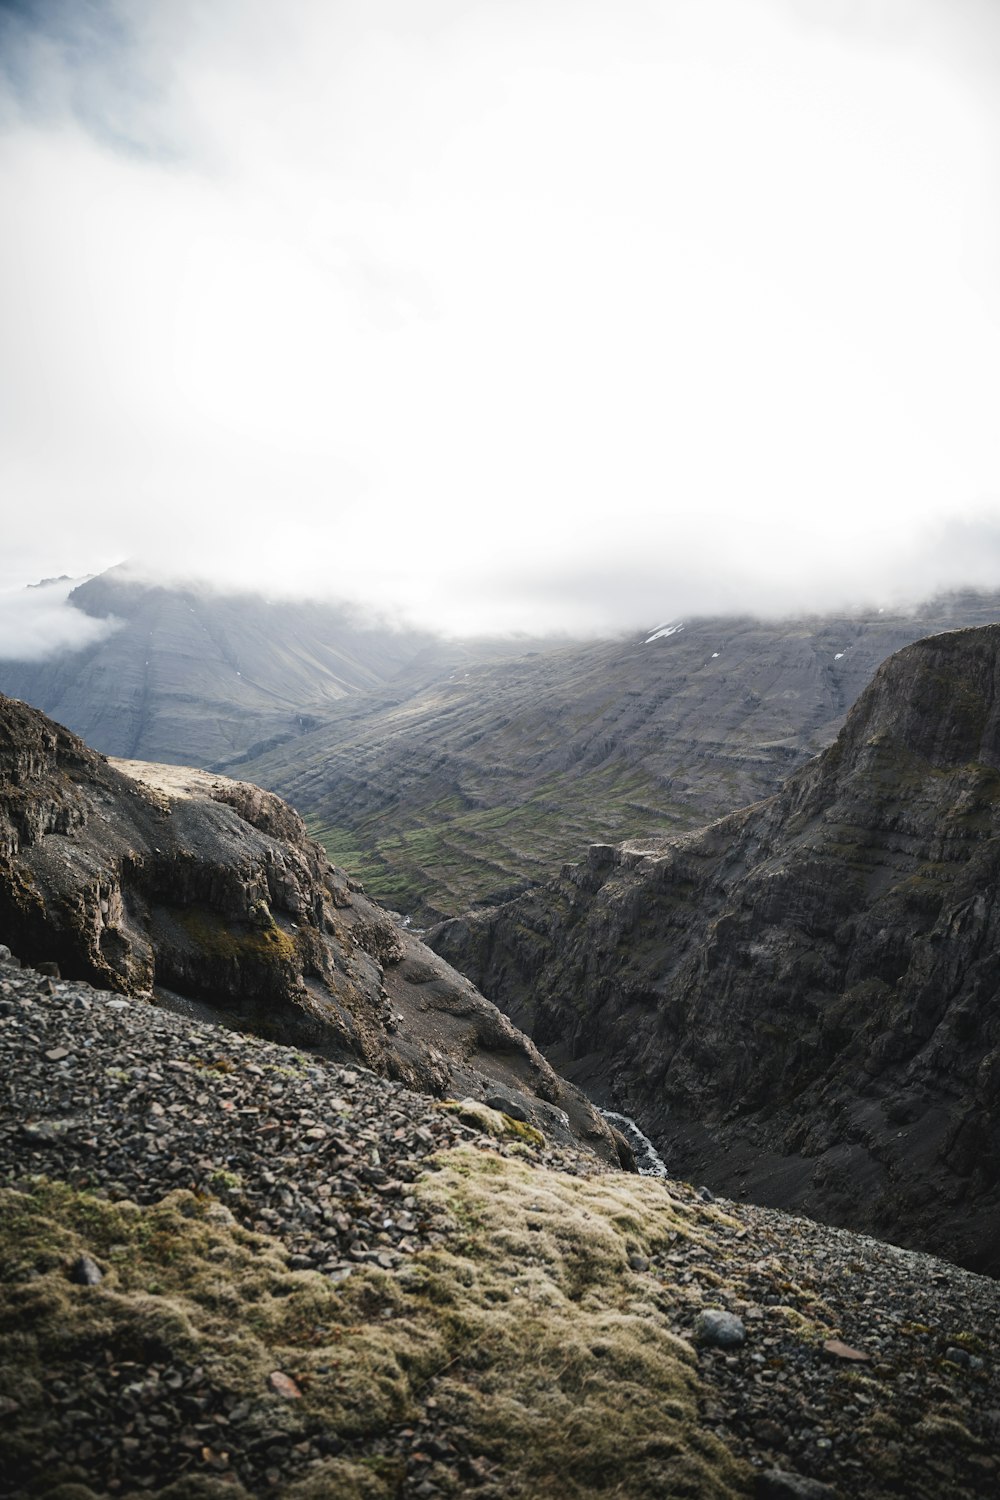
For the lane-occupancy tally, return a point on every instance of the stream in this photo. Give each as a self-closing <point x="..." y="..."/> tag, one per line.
<point x="647" y="1158"/>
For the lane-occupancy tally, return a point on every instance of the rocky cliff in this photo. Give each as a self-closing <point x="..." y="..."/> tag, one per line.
<point x="468" y="789"/>
<point x="799" y="1002"/>
<point x="206" y="895"/>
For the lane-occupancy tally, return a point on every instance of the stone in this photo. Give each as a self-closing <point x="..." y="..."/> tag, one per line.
<point x="840" y="1350"/>
<point x="766" y="1431"/>
<point x="284" y="1385"/>
<point x="780" y="1484"/>
<point x="506" y="1106"/>
<point x="85" y="1272"/>
<point x="720" y="1329"/>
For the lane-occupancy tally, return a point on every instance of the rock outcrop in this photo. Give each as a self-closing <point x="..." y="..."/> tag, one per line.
<point x="206" y="895"/>
<point x="799" y="1003"/>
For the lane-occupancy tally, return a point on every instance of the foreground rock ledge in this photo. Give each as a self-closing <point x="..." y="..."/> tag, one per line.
<point x="209" y="895"/>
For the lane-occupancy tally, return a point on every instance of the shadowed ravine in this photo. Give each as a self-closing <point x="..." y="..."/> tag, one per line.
<point x="798" y="1003"/>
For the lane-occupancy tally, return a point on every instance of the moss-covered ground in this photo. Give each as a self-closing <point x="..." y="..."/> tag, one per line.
<point x="543" y="1353"/>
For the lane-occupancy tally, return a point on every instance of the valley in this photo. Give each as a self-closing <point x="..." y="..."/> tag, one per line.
<point x="328" y="1218"/>
<point x="798" y="1001"/>
<point x="481" y="784"/>
<point x="452" y="774"/>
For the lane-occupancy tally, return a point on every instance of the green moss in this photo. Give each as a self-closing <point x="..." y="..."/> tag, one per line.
<point x="527" y="1325"/>
<point x="492" y="1121"/>
<point x="225" y="1182"/>
<point x="232" y="941"/>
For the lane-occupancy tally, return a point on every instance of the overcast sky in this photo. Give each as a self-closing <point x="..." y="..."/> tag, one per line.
<point x="528" y="313"/>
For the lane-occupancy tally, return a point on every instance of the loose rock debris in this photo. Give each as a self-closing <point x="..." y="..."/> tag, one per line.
<point x="864" y="1369"/>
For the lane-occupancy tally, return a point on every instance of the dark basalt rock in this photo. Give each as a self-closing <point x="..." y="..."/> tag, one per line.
<point x="799" y="1002"/>
<point x="207" y="896"/>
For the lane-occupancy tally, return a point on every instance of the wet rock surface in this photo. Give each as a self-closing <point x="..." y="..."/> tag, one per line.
<point x="331" y="1162"/>
<point x="797" y="1003"/>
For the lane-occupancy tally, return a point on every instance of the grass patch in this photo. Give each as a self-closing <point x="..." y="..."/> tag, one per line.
<point x="441" y="858"/>
<point x="232" y="941"/>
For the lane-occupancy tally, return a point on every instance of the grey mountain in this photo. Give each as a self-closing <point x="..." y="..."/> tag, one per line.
<point x="799" y="1002"/>
<point x="480" y="783"/>
<point x="194" y="675"/>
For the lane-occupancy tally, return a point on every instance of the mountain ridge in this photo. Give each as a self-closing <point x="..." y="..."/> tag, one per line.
<point x="473" y="789"/>
<point x="798" y="1001"/>
<point x="194" y="674"/>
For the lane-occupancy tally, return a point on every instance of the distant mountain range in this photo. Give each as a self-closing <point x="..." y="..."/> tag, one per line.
<point x="449" y="774"/>
<point x="482" y="782"/>
<point x="194" y="676"/>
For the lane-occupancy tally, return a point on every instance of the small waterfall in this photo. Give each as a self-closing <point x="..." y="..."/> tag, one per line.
<point x="647" y="1158"/>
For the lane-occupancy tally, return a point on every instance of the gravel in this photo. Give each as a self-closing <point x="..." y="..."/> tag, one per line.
<point x="865" y="1370"/>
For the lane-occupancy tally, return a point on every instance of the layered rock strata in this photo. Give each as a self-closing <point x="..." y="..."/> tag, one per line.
<point x="799" y="1002"/>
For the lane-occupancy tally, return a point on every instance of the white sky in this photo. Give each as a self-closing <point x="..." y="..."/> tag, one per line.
<point x="528" y="313"/>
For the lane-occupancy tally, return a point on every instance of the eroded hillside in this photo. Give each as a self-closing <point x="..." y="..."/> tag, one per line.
<point x="799" y="1002"/>
<point x="207" y="894"/>
<point x="479" y="784"/>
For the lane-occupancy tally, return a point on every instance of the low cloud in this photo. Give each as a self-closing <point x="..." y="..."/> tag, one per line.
<point x="38" y="623"/>
<point x="503" y="317"/>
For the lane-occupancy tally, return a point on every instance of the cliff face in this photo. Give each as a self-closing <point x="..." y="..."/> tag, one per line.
<point x="799" y="1002"/>
<point x="468" y="790"/>
<point x="207" y="895"/>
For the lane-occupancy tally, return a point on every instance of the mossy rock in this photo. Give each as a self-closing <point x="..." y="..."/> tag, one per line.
<point x="491" y="1121"/>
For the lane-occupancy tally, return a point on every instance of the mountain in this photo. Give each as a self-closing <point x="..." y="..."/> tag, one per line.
<point x="206" y="895"/>
<point x="193" y="676"/>
<point x="480" y="783"/>
<point x="798" y="1003"/>
<point x="452" y="774"/>
<point x="229" y="1269"/>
